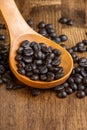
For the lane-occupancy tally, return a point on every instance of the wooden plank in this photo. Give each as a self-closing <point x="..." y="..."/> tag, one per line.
<point x="18" y="109"/>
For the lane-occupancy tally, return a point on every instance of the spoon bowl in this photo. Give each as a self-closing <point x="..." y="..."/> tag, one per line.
<point x="20" y="31"/>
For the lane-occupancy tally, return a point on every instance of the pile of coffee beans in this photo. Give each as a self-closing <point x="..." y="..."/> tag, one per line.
<point x="76" y="83"/>
<point x="66" y="21"/>
<point x="39" y="62"/>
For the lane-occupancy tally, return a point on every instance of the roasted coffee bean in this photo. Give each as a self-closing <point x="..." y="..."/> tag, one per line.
<point x="56" y="39"/>
<point x="2" y="37"/>
<point x="43" y="77"/>
<point x="77" y="80"/>
<point x="63" y="20"/>
<point x="27" y="59"/>
<point x="73" y="86"/>
<point x="25" y="44"/>
<point x="38" y="62"/>
<point x="70" y="22"/>
<point x="28" y="68"/>
<point x="2" y="69"/>
<point x="39" y="55"/>
<point x="41" y="24"/>
<point x="81" y="86"/>
<point x="28" y="52"/>
<point x="62" y="94"/>
<point x="85" y="42"/>
<point x="35" y="77"/>
<point x="66" y="85"/>
<point x="29" y="74"/>
<point x="21" y="64"/>
<point x="83" y="72"/>
<point x="35" y="92"/>
<point x="56" y="61"/>
<point x="70" y="80"/>
<point x="34" y="66"/>
<point x="18" y="57"/>
<point x="9" y="85"/>
<point x="63" y="45"/>
<point x="85" y="80"/>
<point x="43" y="69"/>
<point x="50" y="76"/>
<point x="2" y="26"/>
<point x="75" y="49"/>
<point x="63" y="38"/>
<point x="20" y="50"/>
<point x="43" y="32"/>
<point x="70" y="50"/>
<point x="30" y="22"/>
<point x="53" y="34"/>
<point x="48" y="26"/>
<point x="80" y="94"/>
<point x="57" y="52"/>
<point x="80" y="44"/>
<point x="36" y="71"/>
<point x="21" y="71"/>
<point x="18" y="86"/>
<point x="81" y="49"/>
<point x="69" y="90"/>
<point x="59" y="88"/>
<point x="59" y="75"/>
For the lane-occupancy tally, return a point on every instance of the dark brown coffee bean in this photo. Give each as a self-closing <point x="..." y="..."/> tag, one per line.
<point x="21" y="71"/>
<point x="30" y="22"/>
<point x="63" y="38"/>
<point x="35" y="92"/>
<point x="63" y="45"/>
<point x="69" y="90"/>
<point x="34" y="77"/>
<point x="66" y="85"/>
<point x="18" y="86"/>
<point x="81" y="49"/>
<point x="36" y="71"/>
<point x="41" y="24"/>
<point x="29" y="74"/>
<point x="56" y="61"/>
<point x="59" y="88"/>
<point x="57" y="52"/>
<point x="18" y="57"/>
<point x="85" y="80"/>
<point x="2" y="37"/>
<point x="85" y="42"/>
<point x="2" y="26"/>
<point x="70" y="22"/>
<point x="59" y="75"/>
<point x="80" y="94"/>
<point x="43" y="69"/>
<point x="27" y="59"/>
<point x="20" y="50"/>
<point x="77" y="80"/>
<point x="25" y="43"/>
<point x="2" y="69"/>
<point x="70" y="50"/>
<point x="48" y="26"/>
<point x="56" y="39"/>
<point x="43" y="77"/>
<point x="9" y="85"/>
<point x="70" y="80"/>
<point x="38" y="62"/>
<point x="50" y="76"/>
<point x="63" y="20"/>
<point x="21" y="64"/>
<point x="81" y="87"/>
<point x="62" y="94"/>
<point x="28" y="68"/>
<point x="73" y="86"/>
<point x="53" y="34"/>
<point x="39" y="55"/>
<point x="75" y="49"/>
<point x="43" y="32"/>
<point x="28" y="52"/>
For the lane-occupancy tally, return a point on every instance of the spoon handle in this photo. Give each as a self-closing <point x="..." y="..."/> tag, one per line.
<point x="15" y="23"/>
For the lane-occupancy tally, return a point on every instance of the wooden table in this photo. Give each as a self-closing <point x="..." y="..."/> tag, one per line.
<point x="18" y="109"/>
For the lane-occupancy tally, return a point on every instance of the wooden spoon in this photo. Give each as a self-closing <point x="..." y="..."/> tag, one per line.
<point x="19" y="31"/>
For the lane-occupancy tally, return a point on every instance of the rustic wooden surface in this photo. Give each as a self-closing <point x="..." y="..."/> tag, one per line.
<point x="18" y="109"/>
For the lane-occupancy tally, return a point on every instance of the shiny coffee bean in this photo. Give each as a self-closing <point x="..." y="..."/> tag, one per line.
<point x="30" y="22"/>
<point x="63" y="45"/>
<point x="2" y="37"/>
<point x="85" y="80"/>
<point x="59" y="88"/>
<point x="27" y="59"/>
<point x="25" y="44"/>
<point x="70" y="22"/>
<point x="28" y="68"/>
<point x="70" y="50"/>
<point x="81" y="87"/>
<point x="74" y="86"/>
<point x="62" y="94"/>
<point x="18" y="86"/>
<point x="29" y="74"/>
<point x="63" y="20"/>
<point x="2" y="26"/>
<point x="70" y="80"/>
<point x="35" y="92"/>
<point x="50" y="76"/>
<point x="63" y="38"/>
<point x="85" y="42"/>
<point x="20" y="50"/>
<point x="80" y="94"/>
<point x="38" y="62"/>
<point x="69" y="90"/>
<point x="66" y="85"/>
<point x="21" y="71"/>
<point x="43" y="69"/>
<point x="43" y="77"/>
<point x="41" y="24"/>
<point x="35" y="77"/>
<point x="49" y="26"/>
<point x="9" y="85"/>
<point x="43" y="32"/>
<point x="56" y="39"/>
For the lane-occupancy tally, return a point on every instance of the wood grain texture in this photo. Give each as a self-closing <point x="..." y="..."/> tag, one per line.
<point x="18" y="109"/>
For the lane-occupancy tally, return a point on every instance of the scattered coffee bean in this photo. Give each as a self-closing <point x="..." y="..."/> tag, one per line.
<point x="2" y="37"/>
<point x="80" y="94"/>
<point x="63" y="38"/>
<point x="63" y="20"/>
<point x="35" y="92"/>
<point x="62" y="94"/>
<point x="70" y="22"/>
